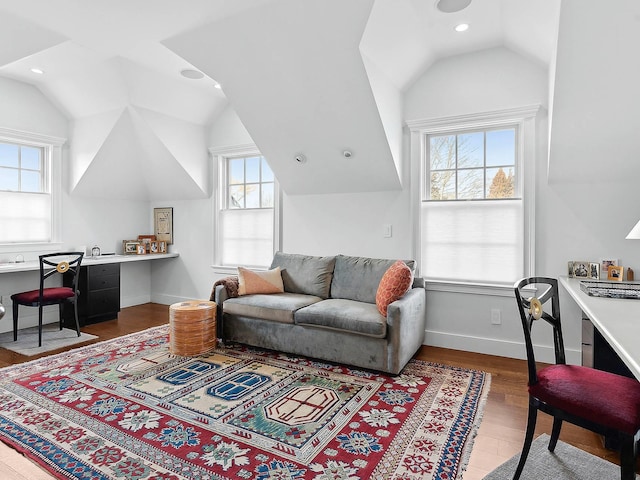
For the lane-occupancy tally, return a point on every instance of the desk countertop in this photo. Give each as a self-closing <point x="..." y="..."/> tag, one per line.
<point x="617" y="319"/>
<point x="35" y="265"/>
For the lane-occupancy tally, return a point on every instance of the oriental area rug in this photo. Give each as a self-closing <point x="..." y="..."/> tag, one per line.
<point x="128" y="409"/>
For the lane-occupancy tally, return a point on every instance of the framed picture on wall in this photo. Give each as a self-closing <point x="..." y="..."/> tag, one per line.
<point x="163" y="224"/>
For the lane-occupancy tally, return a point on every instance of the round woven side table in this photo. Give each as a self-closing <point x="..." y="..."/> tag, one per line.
<point x="192" y="327"/>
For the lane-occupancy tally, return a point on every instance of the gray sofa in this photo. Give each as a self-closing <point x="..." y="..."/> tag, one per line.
<point x="328" y="311"/>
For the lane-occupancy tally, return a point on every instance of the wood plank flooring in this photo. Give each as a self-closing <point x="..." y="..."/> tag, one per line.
<point x="500" y="435"/>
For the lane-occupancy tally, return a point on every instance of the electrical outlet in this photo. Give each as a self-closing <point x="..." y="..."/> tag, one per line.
<point x="496" y="316"/>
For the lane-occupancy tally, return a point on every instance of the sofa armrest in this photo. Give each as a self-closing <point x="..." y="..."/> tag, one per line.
<point x="406" y="323"/>
<point x="219" y="295"/>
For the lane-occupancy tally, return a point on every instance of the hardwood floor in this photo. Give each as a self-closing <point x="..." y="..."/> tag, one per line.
<point x="500" y="435"/>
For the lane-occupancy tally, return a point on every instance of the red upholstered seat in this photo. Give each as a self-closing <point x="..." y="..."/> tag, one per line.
<point x="588" y="393"/>
<point x="48" y="295"/>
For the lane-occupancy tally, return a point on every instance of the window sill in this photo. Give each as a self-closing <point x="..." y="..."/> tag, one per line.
<point x="233" y="270"/>
<point x="470" y="288"/>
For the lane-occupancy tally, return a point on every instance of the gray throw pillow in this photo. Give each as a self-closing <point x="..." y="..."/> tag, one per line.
<point x="305" y="273"/>
<point x="357" y="278"/>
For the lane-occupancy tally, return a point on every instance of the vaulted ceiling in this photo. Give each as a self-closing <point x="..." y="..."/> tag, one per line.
<point x="315" y="77"/>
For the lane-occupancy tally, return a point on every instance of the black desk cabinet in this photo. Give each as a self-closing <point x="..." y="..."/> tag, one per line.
<point x="99" y="299"/>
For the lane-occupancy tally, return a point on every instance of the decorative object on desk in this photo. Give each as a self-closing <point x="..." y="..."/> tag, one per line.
<point x="611" y="290"/>
<point x="594" y="270"/>
<point x="581" y="269"/>
<point x="146" y="241"/>
<point x="162" y="246"/>
<point x="630" y="275"/>
<point x="141" y="249"/>
<point x="130" y="247"/>
<point x="163" y="224"/>
<point x="605" y="264"/>
<point x="616" y="273"/>
<point x="127" y="408"/>
<point x="153" y="248"/>
<point x="95" y="251"/>
<point x="570" y="269"/>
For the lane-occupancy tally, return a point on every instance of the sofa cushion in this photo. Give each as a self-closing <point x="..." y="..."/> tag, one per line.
<point x="250" y="282"/>
<point x="278" y="307"/>
<point x="304" y="273"/>
<point x="346" y="315"/>
<point x="394" y="284"/>
<point x="357" y="278"/>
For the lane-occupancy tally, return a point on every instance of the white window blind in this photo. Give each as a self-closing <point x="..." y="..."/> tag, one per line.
<point x="475" y="242"/>
<point x="25" y="217"/>
<point x="246" y="237"/>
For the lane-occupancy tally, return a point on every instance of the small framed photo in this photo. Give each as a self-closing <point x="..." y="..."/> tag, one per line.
<point x="615" y="273"/>
<point x="570" y="272"/>
<point x="594" y="270"/>
<point x="141" y="249"/>
<point x="154" y="246"/>
<point x="581" y="269"/>
<point x="605" y="264"/>
<point x="162" y="246"/>
<point x="130" y="247"/>
<point x="146" y="241"/>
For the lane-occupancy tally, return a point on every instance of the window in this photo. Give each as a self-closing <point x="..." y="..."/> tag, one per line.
<point x="476" y="197"/>
<point x="29" y="188"/>
<point x="247" y="210"/>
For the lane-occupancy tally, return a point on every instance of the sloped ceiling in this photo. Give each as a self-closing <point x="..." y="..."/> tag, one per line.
<point x="308" y="96"/>
<point x="315" y="77"/>
<point x="595" y="120"/>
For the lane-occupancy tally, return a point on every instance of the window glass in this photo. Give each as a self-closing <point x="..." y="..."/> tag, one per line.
<point x="30" y="158"/>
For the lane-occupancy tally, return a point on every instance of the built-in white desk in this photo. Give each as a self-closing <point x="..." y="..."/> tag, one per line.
<point x="102" y="259"/>
<point x="617" y="320"/>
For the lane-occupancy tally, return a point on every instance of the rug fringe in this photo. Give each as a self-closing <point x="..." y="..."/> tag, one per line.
<point x="468" y="447"/>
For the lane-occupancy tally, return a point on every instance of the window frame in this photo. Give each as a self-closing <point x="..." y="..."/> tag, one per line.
<point x="219" y="157"/>
<point x="526" y="144"/>
<point x="426" y="190"/>
<point x="52" y="185"/>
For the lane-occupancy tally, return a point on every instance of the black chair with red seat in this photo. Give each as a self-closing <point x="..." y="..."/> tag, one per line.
<point x="50" y="265"/>
<point x="602" y="402"/>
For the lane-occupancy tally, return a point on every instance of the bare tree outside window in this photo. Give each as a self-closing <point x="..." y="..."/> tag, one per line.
<point x="471" y="165"/>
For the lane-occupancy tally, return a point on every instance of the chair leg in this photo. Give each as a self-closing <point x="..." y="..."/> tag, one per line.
<point x="15" y="321"/>
<point x="528" y="439"/>
<point x="555" y="433"/>
<point x="60" y="314"/>
<point x="628" y="450"/>
<point x="40" y="325"/>
<point x="75" y="314"/>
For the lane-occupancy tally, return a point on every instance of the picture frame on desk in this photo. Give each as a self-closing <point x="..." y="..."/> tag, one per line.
<point x="141" y="249"/>
<point x="146" y="241"/>
<point x="162" y="246"/>
<point x="163" y="224"/>
<point x="153" y="247"/>
<point x="130" y="247"/>
<point x="615" y="273"/>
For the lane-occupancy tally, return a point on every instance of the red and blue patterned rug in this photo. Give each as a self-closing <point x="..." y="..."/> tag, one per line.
<point x="127" y="409"/>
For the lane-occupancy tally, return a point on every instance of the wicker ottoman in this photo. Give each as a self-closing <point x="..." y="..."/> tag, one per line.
<point x="192" y="327"/>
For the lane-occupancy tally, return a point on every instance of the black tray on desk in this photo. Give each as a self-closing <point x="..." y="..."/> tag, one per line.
<point x="611" y="289"/>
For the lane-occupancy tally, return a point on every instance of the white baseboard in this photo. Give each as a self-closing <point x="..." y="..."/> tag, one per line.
<point x="164" y="299"/>
<point x="135" y="300"/>
<point x="491" y="346"/>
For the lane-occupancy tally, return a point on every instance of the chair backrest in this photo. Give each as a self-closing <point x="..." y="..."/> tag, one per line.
<point x="538" y="299"/>
<point x="60" y="263"/>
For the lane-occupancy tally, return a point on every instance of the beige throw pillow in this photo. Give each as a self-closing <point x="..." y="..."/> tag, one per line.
<point x="251" y="282"/>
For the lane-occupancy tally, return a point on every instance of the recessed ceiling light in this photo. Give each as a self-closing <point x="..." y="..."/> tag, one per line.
<point x="37" y="70"/>
<point x="218" y="86"/>
<point x="463" y="27"/>
<point x="452" y="6"/>
<point x="192" y="74"/>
